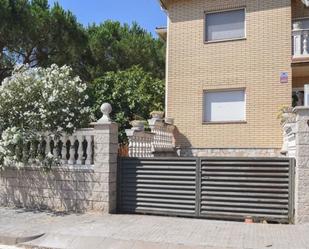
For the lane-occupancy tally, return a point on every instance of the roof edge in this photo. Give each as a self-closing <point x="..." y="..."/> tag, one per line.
<point x="163" y="4"/>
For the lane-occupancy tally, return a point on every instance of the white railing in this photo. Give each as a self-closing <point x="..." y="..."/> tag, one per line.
<point x="140" y="143"/>
<point x="75" y="149"/>
<point x="164" y="137"/>
<point x="145" y="144"/>
<point x="300" y="43"/>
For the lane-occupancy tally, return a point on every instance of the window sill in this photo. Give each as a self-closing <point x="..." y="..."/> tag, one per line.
<point x="224" y="122"/>
<point x="227" y="40"/>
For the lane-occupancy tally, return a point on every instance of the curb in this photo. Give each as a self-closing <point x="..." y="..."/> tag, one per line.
<point x="14" y="240"/>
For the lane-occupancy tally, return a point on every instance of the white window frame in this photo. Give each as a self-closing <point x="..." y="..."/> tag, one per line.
<point x="222" y="11"/>
<point x="227" y="121"/>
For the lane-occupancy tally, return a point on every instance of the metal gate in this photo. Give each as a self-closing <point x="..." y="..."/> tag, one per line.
<point x="224" y="188"/>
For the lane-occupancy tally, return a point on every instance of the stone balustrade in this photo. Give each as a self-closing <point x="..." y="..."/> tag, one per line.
<point x="85" y="179"/>
<point x="160" y="140"/>
<point x="300" y="43"/>
<point x="140" y="143"/>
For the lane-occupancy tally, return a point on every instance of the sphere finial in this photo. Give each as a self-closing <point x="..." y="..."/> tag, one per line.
<point x="106" y="109"/>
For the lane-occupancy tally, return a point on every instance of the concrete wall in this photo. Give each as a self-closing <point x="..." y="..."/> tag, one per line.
<point x="302" y="165"/>
<point x="64" y="188"/>
<point x="223" y="152"/>
<point x="254" y="63"/>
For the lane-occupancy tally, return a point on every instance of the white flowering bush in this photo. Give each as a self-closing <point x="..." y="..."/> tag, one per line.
<point x="36" y="101"/>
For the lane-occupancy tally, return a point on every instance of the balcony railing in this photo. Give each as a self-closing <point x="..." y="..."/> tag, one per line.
<point x="300" y="43"/>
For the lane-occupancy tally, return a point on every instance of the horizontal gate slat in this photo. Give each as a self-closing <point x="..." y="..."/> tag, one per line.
<point x="246" y="184"/>
<point x="217" y="193"/>
<point x="244" y="204"/>
<point x="246" y="198"/>
<point x="169" y="196"/>
<point x="245" y="163"/>
<point x="246" y="189"/>
<point x="155" y="210"/>
<point x="160" y="177"/>
<point x="255" y="174"/>
<point x="246" y="168"/>
<point x="171" y="172"/>
<point x="246" y="179"/>
<point x="160" y="204"/>
<point x="158" y="167"/>
<point x="143" y="199"/>
<point x="136" y="190"/>
<point x="164" y="181"/>
<point x="243" y="214"/>
<point x="161" y="186"/>
<point x="246" y="210"/>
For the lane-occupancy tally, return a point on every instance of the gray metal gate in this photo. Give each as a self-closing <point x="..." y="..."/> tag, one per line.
<point x="224" y="188"/>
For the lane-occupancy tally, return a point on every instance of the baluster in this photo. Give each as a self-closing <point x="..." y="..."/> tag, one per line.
<point x="57" y="151"/>
<point x="72" y="150"/>
<point x="297" y="40"/>
<point x="89" y="152"/>
<point x="144" y="146"/>
<point x="33" y="150"/>
<point x="80" y="150"/>
<point x="47" y="147"/>
<point x="149" y="146"/>
<point x="136" y="140"/>
<point x="305" y="48"/>
<point x="41" y="149"/>
<point x="130" y="147"/>
<point x="135" y="146"/>
<point x="25" y="153"/>
<point x="64" y="150"/>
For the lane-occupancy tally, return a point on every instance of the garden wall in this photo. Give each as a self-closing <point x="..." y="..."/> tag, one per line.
<point x="74" y="186"/>
<point x="58" y="189"/>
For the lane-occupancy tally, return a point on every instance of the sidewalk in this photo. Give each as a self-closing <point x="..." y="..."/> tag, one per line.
<point x="144" y="232"/>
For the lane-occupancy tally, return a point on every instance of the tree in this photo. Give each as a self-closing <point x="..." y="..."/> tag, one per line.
<point x="119" y="47"/>
<point x="132" y="92"/>
<point x="33" y="33"/>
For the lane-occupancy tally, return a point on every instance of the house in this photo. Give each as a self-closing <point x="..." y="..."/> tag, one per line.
<point x="231" y="66"/>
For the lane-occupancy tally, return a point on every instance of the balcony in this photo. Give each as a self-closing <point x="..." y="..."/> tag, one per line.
<point x="300" y="36"/>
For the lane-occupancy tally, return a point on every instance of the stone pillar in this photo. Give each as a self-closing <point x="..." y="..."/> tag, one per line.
<point x="105" y="157"/>
<point x="302" y="165"/>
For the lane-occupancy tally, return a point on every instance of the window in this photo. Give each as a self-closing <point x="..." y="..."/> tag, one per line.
<point x="225" y="106"/>
<point x="225" y="25"/>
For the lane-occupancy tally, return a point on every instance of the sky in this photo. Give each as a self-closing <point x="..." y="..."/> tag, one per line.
<point x="147" y="13"/>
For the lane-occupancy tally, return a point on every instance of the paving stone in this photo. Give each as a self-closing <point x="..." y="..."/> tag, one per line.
<point x="62" y="230"/>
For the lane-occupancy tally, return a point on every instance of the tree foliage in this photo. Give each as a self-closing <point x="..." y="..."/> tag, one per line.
<point x="122" y="64"/>
<point x="132" y="92"/>
<point x="33" y="33"/>
<point x="43" y="100"/>
<point x="118" y="47"/>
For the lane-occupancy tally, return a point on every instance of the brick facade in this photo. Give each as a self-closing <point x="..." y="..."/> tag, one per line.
<point x="254" y="63"/>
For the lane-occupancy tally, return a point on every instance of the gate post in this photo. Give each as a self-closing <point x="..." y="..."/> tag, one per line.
<point x="105" y="157"/>
<point x="302" y="165"/>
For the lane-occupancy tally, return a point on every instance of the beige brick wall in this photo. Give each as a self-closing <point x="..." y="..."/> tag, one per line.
<point x="254" y="64"/>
